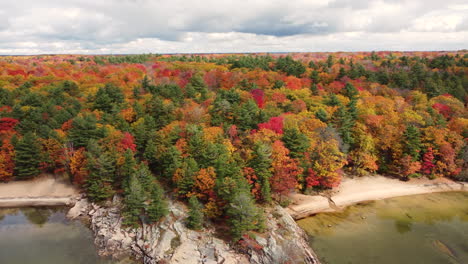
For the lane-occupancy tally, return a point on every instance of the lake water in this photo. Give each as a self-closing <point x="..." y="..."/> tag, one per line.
<point x="420" y="229"/>
<point x="44" y="236"/>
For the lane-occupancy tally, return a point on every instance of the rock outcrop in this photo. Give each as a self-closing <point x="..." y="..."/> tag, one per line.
<point x="171" y="242"/>
<point x="284" y="242"/>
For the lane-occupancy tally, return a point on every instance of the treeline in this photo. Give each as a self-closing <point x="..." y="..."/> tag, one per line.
<point x="228" y="133"/>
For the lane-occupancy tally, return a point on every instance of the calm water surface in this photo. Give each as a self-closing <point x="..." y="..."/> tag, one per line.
<point x="44" y="236"/>
<point x="421" y="229"/>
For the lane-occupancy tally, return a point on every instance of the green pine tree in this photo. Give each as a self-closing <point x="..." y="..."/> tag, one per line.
<point x="169" y="162"/>
<point x="244" y="215"/>
<point x="322" y="115"/>
<point x="101" y="167"/>
<point x="330" y="60"/>
<point x="83" y="130"/>
<point x="27" y="152"/>
<point x="261" y="163"/>
<point x="195" y="214"/>
<point x="296" y="142"/>
<point x="332" y="100"/>
<point x="127" y="169"/>
<point x="412" y="142"/>
<point x="189" y="168"/>
<point x="350" y="91"/>
<point x="342" y="73"/>
<point x="314" y="76"/>
<point x="145" y="177"/>
<point x="133" y="202"/>
<point x="248" y="116"/>
<point x="157" y="207"/>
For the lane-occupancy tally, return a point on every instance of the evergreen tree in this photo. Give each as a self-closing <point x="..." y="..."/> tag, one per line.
<point x="350" y="91"/>
<point x="134" y="199"/>
<point x="243" y="215"/>
<point x="352" y="110"/>
<point x="83" y="130"/>
<point x="342" y="73"/>
<point x="101" y="167"/>
<point x="314" y="76"/>
<point x="296" y="142"/>
<point x="195" y="214"/>
<point x="314" y="89"/>
<point x="102" y="101"/>
<point x="150" y="152"/>
<point x="27" y="152"/>
<point x="127" y="169"/>
<point x="170" y="91"/>
<point x="313" y="65"/>
<point x="189" y="168"/>
<point x="196" y="88"/>
<point x="161" y="112"/>
<point x="261" y="163"/>
<point x="248" y="116"/>
<point x="145" y="83"/>
<point x="345" y="121"/>
<point x="332" y="100"/>
<point x="157" y="207"/>
<point x="6" y="97"/>
<point x="145" y="177"/>
<point x="322" y="115"/>
<point x="108" y="98"/>
<point x="412" y="142"/>
<point x="290" y="66"/>
<point x="330" y="60"/>
<point x="169" y="162"/>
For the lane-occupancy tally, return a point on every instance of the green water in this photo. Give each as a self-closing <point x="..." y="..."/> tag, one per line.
<point x="420" y="229"/>
<point x="44" y="236"/>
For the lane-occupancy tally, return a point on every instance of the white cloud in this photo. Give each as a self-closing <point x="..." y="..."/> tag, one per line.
<point x="135" y="26"/>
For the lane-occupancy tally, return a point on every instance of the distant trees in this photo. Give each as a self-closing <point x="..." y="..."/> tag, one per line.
<point x="290" y="66"/>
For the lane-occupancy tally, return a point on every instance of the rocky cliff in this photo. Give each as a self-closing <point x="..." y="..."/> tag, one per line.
<point x="171" y="242"/>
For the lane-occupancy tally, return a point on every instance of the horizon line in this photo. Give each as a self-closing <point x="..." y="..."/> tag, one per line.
<point x="220" y="53"/>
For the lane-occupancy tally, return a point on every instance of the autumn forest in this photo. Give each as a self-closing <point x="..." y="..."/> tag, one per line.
<point x="228" y="134"/>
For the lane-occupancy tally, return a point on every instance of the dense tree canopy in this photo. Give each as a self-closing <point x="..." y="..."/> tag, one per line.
<point x="227" y="133"/>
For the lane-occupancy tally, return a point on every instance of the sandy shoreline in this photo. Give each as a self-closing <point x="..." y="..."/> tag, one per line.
<point x="356" y="190"/>
<point x="32" y="202"/>
<point x="43" y="191"/>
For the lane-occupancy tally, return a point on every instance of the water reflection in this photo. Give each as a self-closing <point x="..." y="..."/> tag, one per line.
<point x="37" y="217"/>
<point x="403" y="226"/>
<point x="44" y="236"/>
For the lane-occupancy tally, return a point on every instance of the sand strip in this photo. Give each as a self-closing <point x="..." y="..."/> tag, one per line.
<point x="356" y="190"/>
<point x="42" y="191"/>
<point x="32" y="202"/>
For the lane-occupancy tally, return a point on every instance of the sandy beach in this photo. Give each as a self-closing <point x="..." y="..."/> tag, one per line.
<point x="352" y="191"/>
<point x="42" y="191"/>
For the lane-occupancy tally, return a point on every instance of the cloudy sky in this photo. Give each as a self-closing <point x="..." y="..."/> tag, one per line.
<point x="171" y="26"/>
